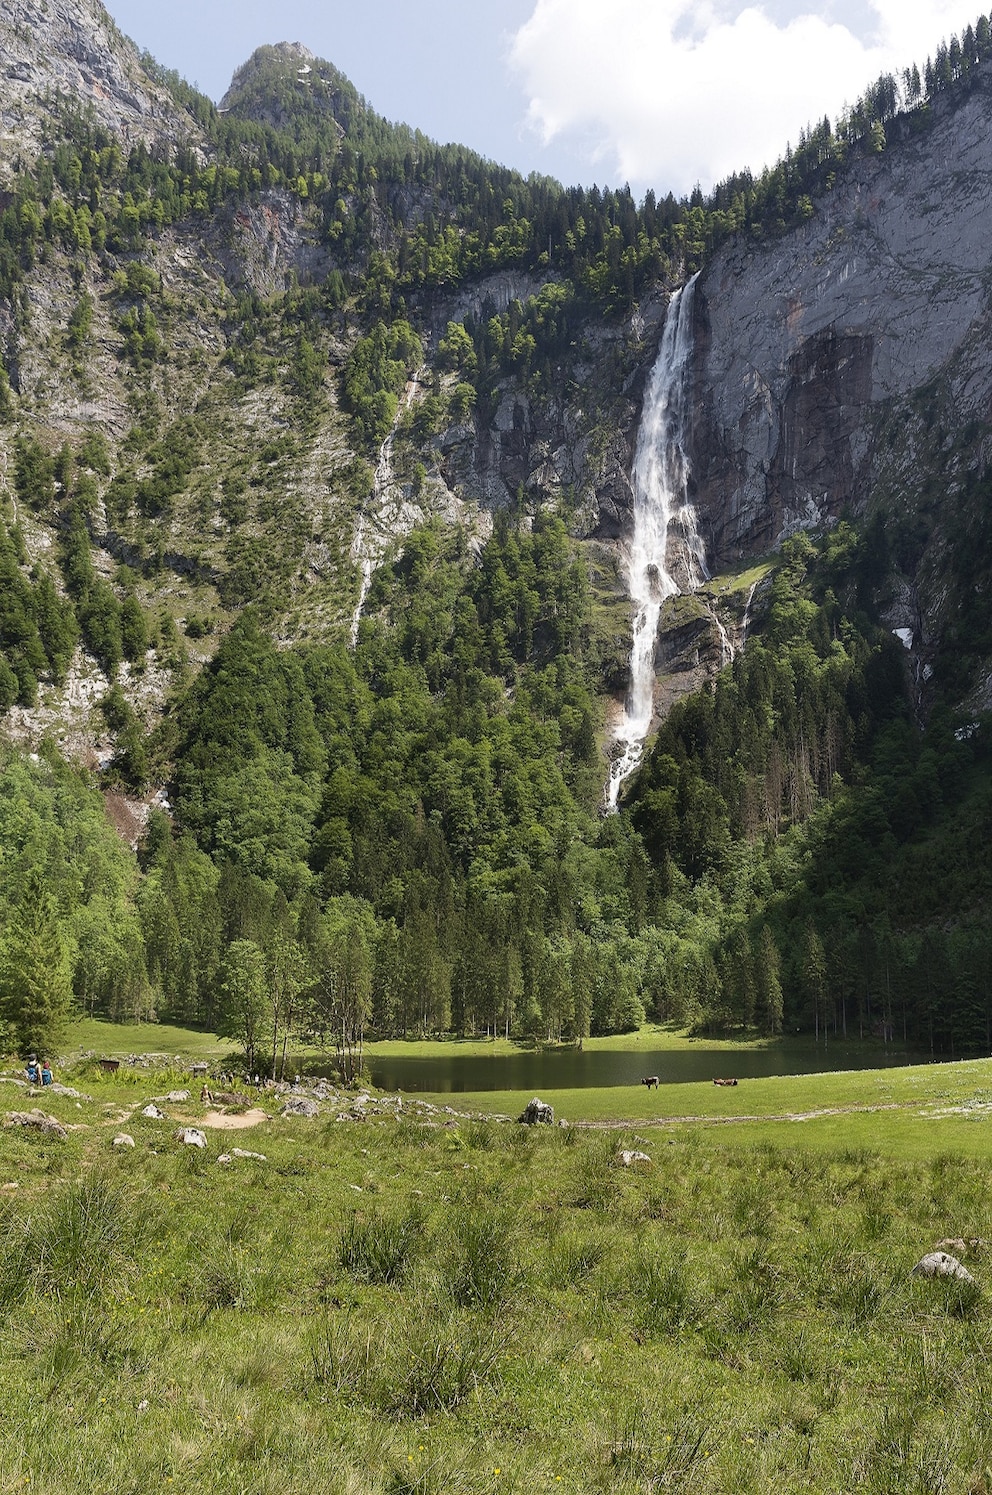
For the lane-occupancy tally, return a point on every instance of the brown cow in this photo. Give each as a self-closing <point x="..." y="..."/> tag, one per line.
<point x="725" y="1082"/>
<point x="651" y="1081"/>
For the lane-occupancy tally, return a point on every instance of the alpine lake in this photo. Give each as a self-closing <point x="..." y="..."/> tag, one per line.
<point x="568" y="1068"/>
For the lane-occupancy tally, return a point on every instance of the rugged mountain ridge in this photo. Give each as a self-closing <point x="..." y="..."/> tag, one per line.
<point x="814" y="350"/>
<point x="827" y="360"/>
<point x="71" y="49"/>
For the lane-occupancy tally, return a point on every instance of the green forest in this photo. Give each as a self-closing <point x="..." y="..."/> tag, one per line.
<point x="405" y="838"/>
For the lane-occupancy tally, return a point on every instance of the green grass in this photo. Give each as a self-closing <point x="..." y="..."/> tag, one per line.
<point x="473" y="1306"/>
<point x="118" y="1040"/>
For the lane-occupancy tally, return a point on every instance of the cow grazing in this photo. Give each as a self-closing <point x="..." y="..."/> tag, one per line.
<point x="725" y="1082"/>
<point x="651" y="1081"/>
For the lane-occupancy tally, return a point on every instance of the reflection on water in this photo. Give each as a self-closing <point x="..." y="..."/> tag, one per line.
<point x="569" y="1069"/>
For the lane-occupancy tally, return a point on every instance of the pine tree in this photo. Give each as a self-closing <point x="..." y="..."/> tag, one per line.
<point x="35" y="971"/>
<point x="769" y="983"/>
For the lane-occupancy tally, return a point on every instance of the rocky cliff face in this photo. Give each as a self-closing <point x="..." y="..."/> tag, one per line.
<point x="823" y="358"/>
<point x="71" y="48"/>
<point x="846" y="364"/>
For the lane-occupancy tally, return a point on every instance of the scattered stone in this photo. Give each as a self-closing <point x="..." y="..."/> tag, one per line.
<point x="537" y="1112"/>
<point x="239" y="1152"/>
<point x="628" y="1159"/>
<point x="123" y="1140"/>
<point x="298" y="1105"/>
<point x="176" y="1097"/>
<point x="191" y="1136"/>
<point x="10" y="1080"/>
<point x="153" y="1113"/>
<point x="10" y="1186"/>
<point x="47" y="1125"/>
<point x="144" y="1405"/>
<point x="940" y="1264"/>
<point x="957" y="1247"/>
<point x="55" y="1088"/>
<point x="225" y="1157"/>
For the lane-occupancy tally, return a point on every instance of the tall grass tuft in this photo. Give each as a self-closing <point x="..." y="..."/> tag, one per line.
<point x="379" y="1247"/>
<point x="82" y="1241"/>
<point x="657" y="1457"/>
<point x="447" y="1361"/>
<point x="483" y="1270"/>
<point x="663" y="1292"/>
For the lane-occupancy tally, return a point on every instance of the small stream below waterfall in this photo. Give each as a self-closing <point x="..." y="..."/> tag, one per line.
<point x="665" y="554"/>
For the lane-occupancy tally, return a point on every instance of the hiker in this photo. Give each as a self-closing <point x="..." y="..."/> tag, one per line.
<point x="33" y="1072"/>
<point x="46" y="1072"/>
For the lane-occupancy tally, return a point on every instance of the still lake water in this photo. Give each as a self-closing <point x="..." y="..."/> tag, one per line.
<point x="568" y="1069"/>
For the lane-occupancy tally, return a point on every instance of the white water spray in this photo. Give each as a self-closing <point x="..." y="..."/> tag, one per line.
<point x="368" y="545"/>
<point x="666" y="553"/>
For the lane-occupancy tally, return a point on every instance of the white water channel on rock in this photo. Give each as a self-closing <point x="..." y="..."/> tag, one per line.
<point x="370" y="543"/>
<point x="665" y="553"/>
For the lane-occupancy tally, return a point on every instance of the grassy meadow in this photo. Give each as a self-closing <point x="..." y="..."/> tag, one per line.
<point x="437" y="1303"/>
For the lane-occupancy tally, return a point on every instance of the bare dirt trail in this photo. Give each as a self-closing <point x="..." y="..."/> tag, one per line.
<point x="220" y="1121"/>
<point x="647" y="1121"/>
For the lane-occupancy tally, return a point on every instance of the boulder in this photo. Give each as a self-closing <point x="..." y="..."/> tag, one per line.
<point x="176" y="1097"/>
<point x="40" y="1120"/>
<point x="191" y="1136"/>
<point x="537" y="1112"/>
<point x="240" y="1152"/>
<point x="941" y="1264"/>
<point x="153" y="1113"/>
<point x="628" y="1159"/>
<point x="298" y="1105"/>
<point x="123" y="1140"/>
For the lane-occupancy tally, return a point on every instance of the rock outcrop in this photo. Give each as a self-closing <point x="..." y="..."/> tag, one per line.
<point x="71" y="49"/>
<point x="805" y="345"/>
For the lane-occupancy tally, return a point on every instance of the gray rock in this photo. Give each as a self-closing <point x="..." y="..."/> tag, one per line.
<point x="175" y="1097"/>
<point x="191" y="1136"/>
<point x="39" y="1120"/>
<point x="628" y="1159"/>
<point x="940" y="1264"/>
<point x="240" y="1152"/>
<point x="537" y="1112"/>
<point x="298" y="1105"/>
<point x="153" y="1113"/>
<point x="123" y="1140"/>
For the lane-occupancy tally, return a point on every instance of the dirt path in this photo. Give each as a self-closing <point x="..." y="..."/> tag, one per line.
<point x="646" y="1121"/>
<point x="220" y="1121"/>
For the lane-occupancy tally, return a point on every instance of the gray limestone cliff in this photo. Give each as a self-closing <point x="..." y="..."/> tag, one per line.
<point x="831" y="362"/>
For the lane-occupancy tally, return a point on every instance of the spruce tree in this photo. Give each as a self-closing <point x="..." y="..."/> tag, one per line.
<point x="35" y="971"/>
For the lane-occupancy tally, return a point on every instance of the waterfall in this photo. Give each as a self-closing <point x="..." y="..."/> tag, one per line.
<point x="665" y="554"/>
<point x="369" y="545"/>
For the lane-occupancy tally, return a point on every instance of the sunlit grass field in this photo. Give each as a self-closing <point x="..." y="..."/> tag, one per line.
<point x="444" y="1304"/>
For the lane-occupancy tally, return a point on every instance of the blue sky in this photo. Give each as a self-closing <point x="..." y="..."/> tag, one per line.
<point x="660" y="93"/>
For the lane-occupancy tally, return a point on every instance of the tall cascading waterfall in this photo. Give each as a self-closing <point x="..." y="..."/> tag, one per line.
<point x="665" y="538"/>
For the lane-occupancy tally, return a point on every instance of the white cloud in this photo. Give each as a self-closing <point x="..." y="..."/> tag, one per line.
<point x="665" y="93"/>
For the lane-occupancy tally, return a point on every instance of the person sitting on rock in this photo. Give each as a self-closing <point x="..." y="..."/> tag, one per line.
<point x="46" y="1072"/>
<point x="33" y="1072"/>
